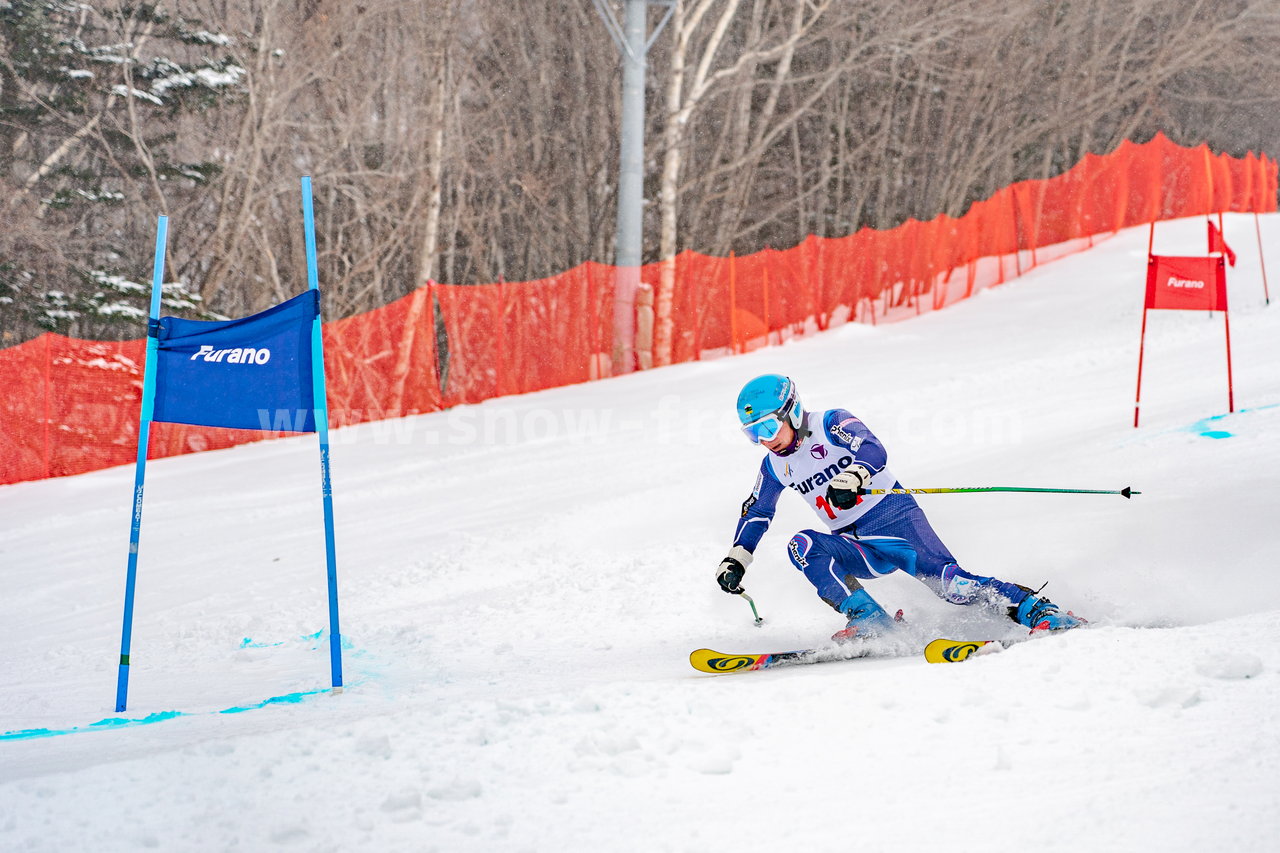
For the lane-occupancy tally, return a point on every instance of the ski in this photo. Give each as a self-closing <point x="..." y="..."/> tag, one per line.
<point x="938" y="651"/>
<point x="707" y="660"/>
<point x="955" y="651"/>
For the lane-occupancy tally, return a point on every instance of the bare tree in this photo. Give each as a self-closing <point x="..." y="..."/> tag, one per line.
<point x="471" y="142"/>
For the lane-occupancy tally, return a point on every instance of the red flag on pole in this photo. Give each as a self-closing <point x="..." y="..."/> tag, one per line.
<point x="1190" y="284"/>
<point x="1218" y="243"/>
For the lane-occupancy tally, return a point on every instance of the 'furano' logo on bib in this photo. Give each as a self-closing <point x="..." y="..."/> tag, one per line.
<point x="821" y="478"/>
<point x="235" y="355"/>
<point x="1189" y="283"/>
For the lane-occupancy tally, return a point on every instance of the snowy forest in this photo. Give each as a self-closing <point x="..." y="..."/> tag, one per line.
<point x="469" y="142"/>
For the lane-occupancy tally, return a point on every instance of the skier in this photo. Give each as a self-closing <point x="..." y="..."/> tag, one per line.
<point x="832" y="460"/>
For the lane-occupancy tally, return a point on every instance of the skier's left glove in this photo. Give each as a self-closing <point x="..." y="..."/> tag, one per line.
<point x="732" y="568"/>
<point x="845" y="488"/>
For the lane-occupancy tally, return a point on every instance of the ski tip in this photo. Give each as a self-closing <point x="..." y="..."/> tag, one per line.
<point x="708" y="660"/>
<point x="952" y="651"/>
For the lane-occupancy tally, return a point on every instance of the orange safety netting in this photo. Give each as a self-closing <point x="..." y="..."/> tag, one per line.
<point x="72" y="406"/>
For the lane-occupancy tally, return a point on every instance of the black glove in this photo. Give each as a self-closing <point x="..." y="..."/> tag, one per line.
<point x="732" y="568"/>
<point x="847" y="486"/>
<point x="730" y="576"/>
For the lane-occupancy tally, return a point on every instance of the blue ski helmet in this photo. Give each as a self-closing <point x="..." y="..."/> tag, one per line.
<point x="765" y="403"/>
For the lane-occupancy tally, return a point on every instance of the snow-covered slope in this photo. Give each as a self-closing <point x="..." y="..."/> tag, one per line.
<point x="523" y="580"/>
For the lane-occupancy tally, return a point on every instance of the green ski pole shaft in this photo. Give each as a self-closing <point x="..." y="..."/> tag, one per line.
<point x="754" y="612"/>
<point x="1125" y="492"/>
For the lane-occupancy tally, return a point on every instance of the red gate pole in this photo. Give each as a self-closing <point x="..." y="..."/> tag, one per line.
<point x="1222" y="237"/>
<point x="1221" y="286"/>
<point x="1146" y="304"/>
<point x="1266" y="292"/>
<point x="1142" y="342"/>
<point x="1231" y="394"/>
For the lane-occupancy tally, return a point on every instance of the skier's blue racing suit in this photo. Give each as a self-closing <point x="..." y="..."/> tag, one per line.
<point x="880" y="534"/>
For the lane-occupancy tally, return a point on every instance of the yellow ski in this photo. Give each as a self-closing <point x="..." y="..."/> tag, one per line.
<point x="952" y="651"/>
<point x="706" y="660"/>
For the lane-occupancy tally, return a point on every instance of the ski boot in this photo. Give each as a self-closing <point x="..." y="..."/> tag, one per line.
<point x="1040" y="614"/>
<point x="866" y="618"/>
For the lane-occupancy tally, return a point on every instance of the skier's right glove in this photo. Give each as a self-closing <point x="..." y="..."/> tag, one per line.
<point x="732" y="569"/>
<point x="848" y="486"/>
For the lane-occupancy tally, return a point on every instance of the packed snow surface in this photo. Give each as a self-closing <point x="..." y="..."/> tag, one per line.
<point x="522" y="582"/>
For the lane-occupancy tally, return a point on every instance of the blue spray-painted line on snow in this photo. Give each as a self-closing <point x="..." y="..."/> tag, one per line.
<point x="321" y="634"/>
<point x="160" y="716"/>
<point x="287" y="699"/>
<point x="1206" y="426"/>
<point x="250" y="643"/>
<point x="1210" y="427"/>
<point x="157" y="717"/>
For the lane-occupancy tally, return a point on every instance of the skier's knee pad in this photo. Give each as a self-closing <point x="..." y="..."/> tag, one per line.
<point x="960" y="587"/>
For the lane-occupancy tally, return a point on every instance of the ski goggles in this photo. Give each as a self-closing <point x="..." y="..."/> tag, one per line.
<point x="764" y="428"/>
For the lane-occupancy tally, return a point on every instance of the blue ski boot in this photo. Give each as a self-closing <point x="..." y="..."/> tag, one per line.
<point x="866" y="618"/>
<point x="1040" y="614"/>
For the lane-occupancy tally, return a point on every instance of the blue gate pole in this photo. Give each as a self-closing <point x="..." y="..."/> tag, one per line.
<point x="140" y="470"/>
<point x="322" y="430"/>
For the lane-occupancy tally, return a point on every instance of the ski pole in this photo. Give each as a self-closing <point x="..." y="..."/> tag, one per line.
<point x="1127" y="491"/>
<point x="754" y="613"/>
